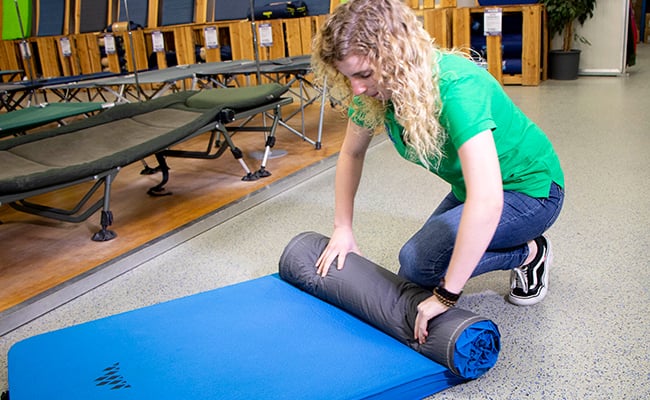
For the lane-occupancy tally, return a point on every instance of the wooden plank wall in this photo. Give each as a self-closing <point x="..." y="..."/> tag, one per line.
<point x="533" y="50"/>
<point x="291" y="37"/>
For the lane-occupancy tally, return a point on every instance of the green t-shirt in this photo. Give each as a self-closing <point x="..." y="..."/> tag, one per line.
<point x="472" y="102"/>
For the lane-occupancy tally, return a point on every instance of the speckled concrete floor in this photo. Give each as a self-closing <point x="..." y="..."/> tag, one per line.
<point x="587" y="340"/>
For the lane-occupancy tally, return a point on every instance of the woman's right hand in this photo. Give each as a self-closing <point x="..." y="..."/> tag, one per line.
<point x="341" y="243"/>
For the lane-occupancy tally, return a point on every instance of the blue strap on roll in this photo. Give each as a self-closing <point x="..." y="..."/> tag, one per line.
<point x="464" y="342"/>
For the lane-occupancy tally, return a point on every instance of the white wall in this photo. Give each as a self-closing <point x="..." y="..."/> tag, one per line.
<point x="607" y="32"/>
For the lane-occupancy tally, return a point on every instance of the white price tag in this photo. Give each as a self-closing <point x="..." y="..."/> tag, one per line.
<point x="211" y="39"/>
<point x="266" y="35"/>
<point x="66" y="50"/>
<point x="109" y="44"/>
<point x="25" y="51"/>
<point x="158" y="41"/>
<point x="492" y="19"/>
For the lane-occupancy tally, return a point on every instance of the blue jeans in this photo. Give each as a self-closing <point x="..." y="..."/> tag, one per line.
<point x="425" y="256"/>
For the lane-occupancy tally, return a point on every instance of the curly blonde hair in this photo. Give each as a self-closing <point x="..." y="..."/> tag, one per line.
<point x="396" y="45"/>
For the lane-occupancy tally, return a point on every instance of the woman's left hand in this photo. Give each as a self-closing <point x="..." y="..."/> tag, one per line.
<point x="427" y="309"/>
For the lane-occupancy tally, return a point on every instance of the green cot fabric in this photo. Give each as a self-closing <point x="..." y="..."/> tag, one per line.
<point x="114" y="138"/>
<point x="241" y="98"/>
<point x="31" y="117"/>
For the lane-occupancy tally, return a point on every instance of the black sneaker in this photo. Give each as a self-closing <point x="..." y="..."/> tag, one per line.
<point x="529" y="283"/>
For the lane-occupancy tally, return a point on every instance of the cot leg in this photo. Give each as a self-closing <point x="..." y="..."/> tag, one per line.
<point x="159" y="189"/>
<point x="270" y="142"/>
<point x="146" y="169"/>
<point x="237" y="153"/>
<point x="263" y="172"/>
<point x="239" y="156"/>
<point x="106" y="234"/>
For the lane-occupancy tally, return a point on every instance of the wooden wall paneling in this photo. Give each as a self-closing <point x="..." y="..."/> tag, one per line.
<point x="241" y="36"/>
<point x="414" y="4"/>
<point x="153" y="18"/>
<point x="48" y="56"/>
<point x="81" y="60"/>
<point x="213" y="54"/>
<point x="532" y="39"/>
<point x="277" y="49"/>
<point x="437" y="22"/>
<point x="168" y="41"/>
<point x="267" y="52"/>
<point x="66" y="19"/>
<point x="9" y="55"/>
<point x="298" y="34"/>
<point x="293" y="36"/>
<point x="461" y="30"/>
<point x="430" y="4"/>
<point x="442" y="4"/>
<point x="306" y="34"/>
<point x="532" y="61"/>
<point x="198" y="40"/>
<point x="112" y="62"/>
<point x="139" y="50"/>
<point x="545" y="43"/>
<point x="184" y="44"/>
<point x="77" y="16"/>
<point x="71" y="64"/>
<point x="211" y="6"/>
<point x="200" y="11"/>
<point x="241" y="43"/>
<point x="36" y="16"/>
<point x="161" y="56"/>
<point x="86" y="46"/>
<point x="112" y="13"/>
<point x="318" y="21"/>
<point x="28" y="64"/>
<point x="494" y="57"/>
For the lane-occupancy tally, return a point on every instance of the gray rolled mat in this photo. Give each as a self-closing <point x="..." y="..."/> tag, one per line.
<point x="464" y="342"/>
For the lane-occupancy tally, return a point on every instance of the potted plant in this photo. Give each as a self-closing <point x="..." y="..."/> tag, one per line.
<point x="562" y="16"/>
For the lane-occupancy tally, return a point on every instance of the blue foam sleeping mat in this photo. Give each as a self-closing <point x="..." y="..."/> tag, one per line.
<point x="260" y="339"/>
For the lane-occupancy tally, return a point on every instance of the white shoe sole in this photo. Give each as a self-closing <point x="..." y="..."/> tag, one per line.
<point x="530" y="300"/>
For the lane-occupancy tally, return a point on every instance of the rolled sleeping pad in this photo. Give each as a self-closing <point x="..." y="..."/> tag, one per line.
<point x="121" y="26"/>
<point x="512" y="66"/>
<point x="464" y="342"/>
<point x="511" y="45"/>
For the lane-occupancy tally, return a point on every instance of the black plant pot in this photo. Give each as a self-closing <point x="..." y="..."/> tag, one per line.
<point x="563" y="65"/>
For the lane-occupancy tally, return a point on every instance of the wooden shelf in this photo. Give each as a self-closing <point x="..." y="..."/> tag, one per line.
<point x="534" y="42"/>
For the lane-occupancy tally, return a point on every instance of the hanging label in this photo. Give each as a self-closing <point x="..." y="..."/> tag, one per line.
<point x="109" y="44"/>
<point x="158" y="41"/>
<point x="211" y="38"/>
<point x="25" y="51"/>
<point x="266" y="35"/>
<point x="66" y="50"/>
<point x="492" y="18"/>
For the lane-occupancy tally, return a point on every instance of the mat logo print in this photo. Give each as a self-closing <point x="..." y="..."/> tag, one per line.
<point x="112" y="378"/>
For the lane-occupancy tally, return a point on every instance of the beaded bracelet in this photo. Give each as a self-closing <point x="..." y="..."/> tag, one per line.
<point x="446" y="297"/>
